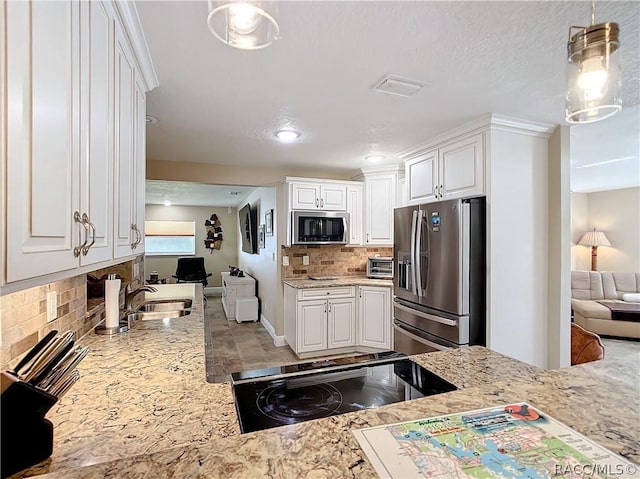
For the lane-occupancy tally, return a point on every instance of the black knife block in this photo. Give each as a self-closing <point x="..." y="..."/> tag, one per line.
<point x="27" y="437"/>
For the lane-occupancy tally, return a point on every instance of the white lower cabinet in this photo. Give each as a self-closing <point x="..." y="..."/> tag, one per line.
<point x="320" y="321"/>
<point x="374" y="317"/>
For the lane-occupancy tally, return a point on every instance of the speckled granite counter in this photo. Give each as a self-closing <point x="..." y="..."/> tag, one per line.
<point x="143" y="409"/>
<point x="339" y="281"/>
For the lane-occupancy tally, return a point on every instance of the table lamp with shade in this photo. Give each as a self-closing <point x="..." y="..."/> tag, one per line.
<point x="594" y="239"/>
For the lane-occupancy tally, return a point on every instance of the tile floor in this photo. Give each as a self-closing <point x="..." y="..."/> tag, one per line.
<point x="620" y="348"/>
<point x="232" y="347"/>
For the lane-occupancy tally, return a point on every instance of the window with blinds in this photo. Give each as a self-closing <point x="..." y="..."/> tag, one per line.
<point x="166" y="238"/>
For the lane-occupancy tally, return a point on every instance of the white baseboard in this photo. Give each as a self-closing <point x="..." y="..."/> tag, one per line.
<point x="277" y="340"/>
<point x="213" y="291"/>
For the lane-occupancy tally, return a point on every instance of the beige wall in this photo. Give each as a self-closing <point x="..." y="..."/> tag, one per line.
<point x="580" y="256"/>
<point x="264" y="265"/>
<point x="617" y="214"/>
<point x="215" y="262"/>
<point x="234" y="175"/>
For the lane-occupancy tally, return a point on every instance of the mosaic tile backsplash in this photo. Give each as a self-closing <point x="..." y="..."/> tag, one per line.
<point x="330" y="260"/>
<point x="23" y="314"/>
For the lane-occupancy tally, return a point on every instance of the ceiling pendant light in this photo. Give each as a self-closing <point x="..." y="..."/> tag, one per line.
<point x="243" y="24"/>
<point x="594" y="77"/>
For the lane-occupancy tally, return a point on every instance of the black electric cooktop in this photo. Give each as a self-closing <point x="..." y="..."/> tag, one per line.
<point x="272" y="397"/>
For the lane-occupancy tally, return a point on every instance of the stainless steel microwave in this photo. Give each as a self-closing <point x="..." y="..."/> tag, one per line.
<point x="319" y="227"/>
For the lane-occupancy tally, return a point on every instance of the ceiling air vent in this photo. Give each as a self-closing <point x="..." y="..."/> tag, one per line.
<point x="395" y="85"/>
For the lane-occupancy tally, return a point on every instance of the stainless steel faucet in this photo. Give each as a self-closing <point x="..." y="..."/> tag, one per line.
<point x="129" y="295"/>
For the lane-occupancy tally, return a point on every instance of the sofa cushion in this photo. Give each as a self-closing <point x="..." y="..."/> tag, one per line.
<point x="615" y="284"/>
<point x="590" y="309"/>
<point x="586" y="285"/>
<point x="631" y="297"/>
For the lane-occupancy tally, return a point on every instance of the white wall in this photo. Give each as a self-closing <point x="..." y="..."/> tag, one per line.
<point x="517" y="218"/>
<point x="617" y="214"/>
<point x="214" y="262"/>
<point x="263" y="266"/>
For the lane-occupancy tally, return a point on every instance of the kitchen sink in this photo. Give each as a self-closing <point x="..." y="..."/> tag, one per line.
<point x="166" y="305"/>
<point x="155" y="315"/>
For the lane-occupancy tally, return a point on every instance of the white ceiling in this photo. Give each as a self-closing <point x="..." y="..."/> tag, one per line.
<point x="217" y="104"/>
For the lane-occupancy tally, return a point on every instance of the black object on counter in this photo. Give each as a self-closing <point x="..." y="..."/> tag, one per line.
<point x="27" y="437"/>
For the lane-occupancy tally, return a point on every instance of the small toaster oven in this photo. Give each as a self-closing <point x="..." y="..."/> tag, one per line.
<point x="380" y="267"/>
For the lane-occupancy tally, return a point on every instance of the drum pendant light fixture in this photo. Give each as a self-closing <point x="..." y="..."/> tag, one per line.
<point x="246" y="25"/>
<point x="593" y="71"/>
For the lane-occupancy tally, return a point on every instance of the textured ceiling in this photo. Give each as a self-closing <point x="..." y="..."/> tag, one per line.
<point x="216" y="104"/>
<point x="195" y="194"/>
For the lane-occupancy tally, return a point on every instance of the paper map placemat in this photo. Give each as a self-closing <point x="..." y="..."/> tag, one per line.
<point x="513" y="441"/>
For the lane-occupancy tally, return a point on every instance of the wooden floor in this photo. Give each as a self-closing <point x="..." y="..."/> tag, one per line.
<point x="233" y="347"/>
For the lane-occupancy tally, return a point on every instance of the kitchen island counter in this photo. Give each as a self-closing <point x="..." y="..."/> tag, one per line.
<point x="144" y="409"/>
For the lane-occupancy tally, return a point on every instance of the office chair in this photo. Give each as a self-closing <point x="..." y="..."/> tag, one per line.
<point x="191" y="270"/>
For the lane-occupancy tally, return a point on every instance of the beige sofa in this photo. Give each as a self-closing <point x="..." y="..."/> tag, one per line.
<point x="588" y="287"/>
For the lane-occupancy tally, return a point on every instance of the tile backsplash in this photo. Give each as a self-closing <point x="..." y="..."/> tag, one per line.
<point x="330" y="260"/>
<point x="23" y="314"/>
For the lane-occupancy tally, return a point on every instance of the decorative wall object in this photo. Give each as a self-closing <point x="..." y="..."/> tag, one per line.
<point x="261" y="237"/>
<point x="214" y="233"/>
<point x="268" y="223"/>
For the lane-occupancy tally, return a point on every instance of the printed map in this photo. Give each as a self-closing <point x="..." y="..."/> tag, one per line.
<point x="513" y="441"/>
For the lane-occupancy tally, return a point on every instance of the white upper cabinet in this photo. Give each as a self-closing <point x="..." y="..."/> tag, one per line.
<point x="96" y="142"/>
<point x="318" y="196"/>
<point x="124" y="233"/>
<point x="140" y="166"/>
<point x="74" y="135"/>
<point x="43" y="94"/>
<point x="452" y="170"/>
<point x="380" y="198"/>
<point x="355" y="210"/>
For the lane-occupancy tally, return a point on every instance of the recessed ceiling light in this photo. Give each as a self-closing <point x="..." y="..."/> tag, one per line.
<point x="374" y="158"/>
<point x="287" y="136"/>
<point x="167" y="203"/>
<point x="151" y="120"/>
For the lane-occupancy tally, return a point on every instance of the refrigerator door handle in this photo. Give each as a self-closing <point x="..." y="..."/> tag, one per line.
<point x="430" y="317"/>
<point x="416" y="258"/>
<point x="420" y="339"/>
<point x="414" y="223"/>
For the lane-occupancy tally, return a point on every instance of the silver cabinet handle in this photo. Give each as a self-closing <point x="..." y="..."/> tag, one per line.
<point x="441" y="191"/>
<point x="329" y="307"/>
<point x="78" y="219"/>
<point x="367" y="237"/>
<point x="85" y="219"/>
<point x="134" y="242"/>
<point x="317" y="203"/>
<point x="139" y="233"/>
<point x="435" y="191"/>
<point x="321" y="203"/>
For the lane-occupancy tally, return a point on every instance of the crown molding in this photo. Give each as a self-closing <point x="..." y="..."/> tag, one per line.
<point x="488" y="122"/>
<point x="131" y="22"/>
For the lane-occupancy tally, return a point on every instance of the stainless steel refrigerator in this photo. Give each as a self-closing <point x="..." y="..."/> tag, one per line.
<point x="439" y="275"/>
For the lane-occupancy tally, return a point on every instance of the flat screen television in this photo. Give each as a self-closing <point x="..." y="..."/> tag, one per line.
<point x="248" y="218"/>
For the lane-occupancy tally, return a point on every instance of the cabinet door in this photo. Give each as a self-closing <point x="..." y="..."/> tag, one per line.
<point x="96" y="144"/>
<point x="312" y="326"/>
<point x="374" y="317"/>
<point x="124" y="146"/>
<point x="341" y="323"/>
<point x="462" y="168"/>
<point x="305" y="196"/>
<point x="140" y="167"/>
<point x="380" y="196"/>
<point x="333" y="197"/>
<point x="42" y="135"/>
<point x="422" y="178"/>
<point x="354" y="208"/>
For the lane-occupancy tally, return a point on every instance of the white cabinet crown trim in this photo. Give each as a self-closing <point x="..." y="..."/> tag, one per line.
<point x="485" y="122"/>
<point x="133" y="29"/>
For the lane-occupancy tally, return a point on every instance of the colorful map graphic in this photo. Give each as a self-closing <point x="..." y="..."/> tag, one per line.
<point x="513" y="441"/>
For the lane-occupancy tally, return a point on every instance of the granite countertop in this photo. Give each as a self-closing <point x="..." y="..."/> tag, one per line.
<point x="339" y="281"/>
<point x="143" y="408"/>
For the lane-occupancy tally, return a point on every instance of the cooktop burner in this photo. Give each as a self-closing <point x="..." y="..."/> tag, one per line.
<point x="272" y="397"/>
